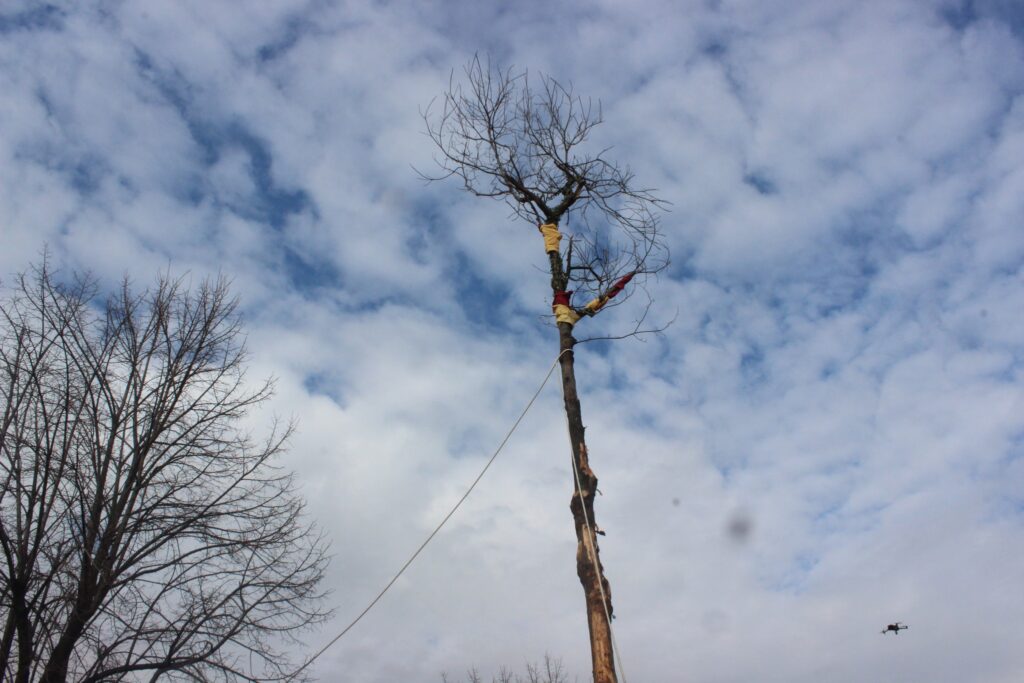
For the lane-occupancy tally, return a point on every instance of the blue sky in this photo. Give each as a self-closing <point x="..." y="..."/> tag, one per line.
<point x="844" y="371"/>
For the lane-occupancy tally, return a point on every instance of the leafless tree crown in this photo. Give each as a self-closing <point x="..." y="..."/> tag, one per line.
<point x="144" y="535"/>
<point x="529" y="146"/>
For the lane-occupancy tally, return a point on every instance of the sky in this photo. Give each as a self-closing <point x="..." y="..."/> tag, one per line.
<point x="843" y="378"/>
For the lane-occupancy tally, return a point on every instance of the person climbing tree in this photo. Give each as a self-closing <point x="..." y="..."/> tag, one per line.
<point x="506" y="139"/>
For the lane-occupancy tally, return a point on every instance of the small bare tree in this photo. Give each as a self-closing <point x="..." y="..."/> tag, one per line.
<point x="551" y="672"/>
<point x="528" y="146"/>
<point x="143" y="534"/>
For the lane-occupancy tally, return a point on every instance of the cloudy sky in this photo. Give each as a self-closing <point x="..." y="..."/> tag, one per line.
<point x="844" y="377"/>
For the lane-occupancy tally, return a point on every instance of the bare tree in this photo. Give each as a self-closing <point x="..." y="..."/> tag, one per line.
<point x="144" y="534"/>
<point x="528" y="146"/>
<point x="551" y="672"/>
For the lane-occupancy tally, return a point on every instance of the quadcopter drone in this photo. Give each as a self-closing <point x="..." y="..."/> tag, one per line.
<point x="895" y="628"/>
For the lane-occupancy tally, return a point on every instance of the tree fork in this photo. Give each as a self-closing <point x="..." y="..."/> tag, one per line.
<point x="56" y="669"/>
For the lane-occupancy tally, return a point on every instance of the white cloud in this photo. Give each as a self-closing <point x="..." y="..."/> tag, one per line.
<point x="843" y="373"/>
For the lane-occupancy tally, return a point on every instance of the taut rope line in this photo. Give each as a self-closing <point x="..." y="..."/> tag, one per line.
<point x="438" y="528"/>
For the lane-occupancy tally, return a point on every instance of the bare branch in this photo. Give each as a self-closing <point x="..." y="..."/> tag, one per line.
<point x="528" y="144"/>
<point x="638" y="330"/>
<point x="552" y="671"/>
<point x="140" y="529"/>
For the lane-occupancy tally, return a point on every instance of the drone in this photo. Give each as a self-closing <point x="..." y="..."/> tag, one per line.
<point x="895" y="628"/>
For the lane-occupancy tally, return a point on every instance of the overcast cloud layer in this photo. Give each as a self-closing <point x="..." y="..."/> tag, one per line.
<point x="843" y="377"/>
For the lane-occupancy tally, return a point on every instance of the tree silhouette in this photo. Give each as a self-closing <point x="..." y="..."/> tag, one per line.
<point x="143" y="532"/>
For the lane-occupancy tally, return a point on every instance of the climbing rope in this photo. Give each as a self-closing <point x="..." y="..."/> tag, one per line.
<point x="597" y="566"/>
<point x="443" y="522"/>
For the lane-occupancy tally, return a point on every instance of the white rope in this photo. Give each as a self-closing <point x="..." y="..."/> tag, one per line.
<point x="593" y="557"/>
<point x="438" y="528"/>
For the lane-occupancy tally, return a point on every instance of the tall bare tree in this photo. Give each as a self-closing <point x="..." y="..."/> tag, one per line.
<point x="144" y="535"/>
<point x="527" y="144"/>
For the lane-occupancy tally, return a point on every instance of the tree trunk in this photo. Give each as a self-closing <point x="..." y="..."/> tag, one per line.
<point x="7" y="640"/>
<point x="56" y="669"/>
<point x="19" y="618"/>
<point x="591" y="576"/>
<point x="588" y="562"/>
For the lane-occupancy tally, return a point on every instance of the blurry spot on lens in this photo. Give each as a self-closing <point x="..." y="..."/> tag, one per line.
<point x="739" y="527"/>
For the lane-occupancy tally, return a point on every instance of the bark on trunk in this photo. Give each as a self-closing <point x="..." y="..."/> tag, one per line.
<point x="25" y="631"/>
<point x="588" y="563"/>
<point x="7" y="641"/>
<point x="591" y="577"/>
<point x="56" y="669"/>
